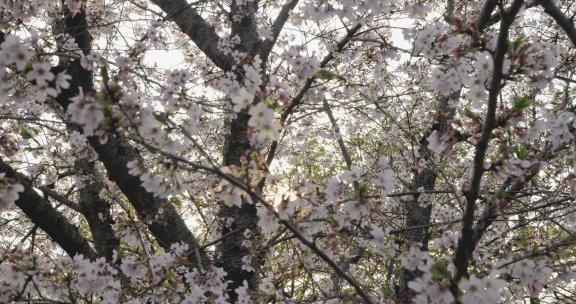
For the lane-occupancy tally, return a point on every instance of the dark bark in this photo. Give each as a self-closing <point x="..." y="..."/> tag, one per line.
<point x="246" y="28"/>
<point x="167" y="229"/>
<point x="277" y="27"/>
<point x="561" y="19"/>
<point x="42" y="214"/>
<point x="417" y="215"/>
<point x="236" y="146"/>
<point x="199" y="31"/>
<point x="231" y="250"/>
<point x="117" y="152"/>
<point x="97" y="213"/>
<point x="465" y="243"/>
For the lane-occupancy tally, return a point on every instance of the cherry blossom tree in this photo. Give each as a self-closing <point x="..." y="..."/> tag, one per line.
<point x="313" y="151"/>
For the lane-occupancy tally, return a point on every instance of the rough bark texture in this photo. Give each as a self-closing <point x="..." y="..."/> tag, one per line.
<point x="199" y="31"/>
<point x="465" y="243"/>
<point x="167" y="229"/>
<point x="97" y="213"/>
<point x="117" y="152"/>
<point x="417" y="215"/>
<point x="47" y="218"/>
<point x="237" y="144"/>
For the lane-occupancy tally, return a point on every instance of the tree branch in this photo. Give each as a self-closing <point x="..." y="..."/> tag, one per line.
<point x="169" y="228"/>
<point x="341" y="143"/>
<point x="564" y="22"/>
<point x="277" y="27"/>
<point x="60" y="198"/>
<point x="490" y="213"/>
<point x="463" y="251"/>
<point x="199" y="31"/>
<point x="485" y="15"/>
<point x="565" y="78"/>
<point x="97" y="213"/>
<point x="297" y="100"/>
<point x="47" y="218"/>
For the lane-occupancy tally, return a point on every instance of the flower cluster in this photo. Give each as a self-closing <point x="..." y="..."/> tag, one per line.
<point x="161" y="185"/>
<point x="88" y="113"/>
<point x="14" y="51"/>
<point x="80" y="148"/>
<point x="262" y="120"/>
<point x="95" y="278"/>
<point x="438" y="143"/>
<point x="212" y="281"/>
<point x="530" y="275"/>
<point x="15" y="269"/>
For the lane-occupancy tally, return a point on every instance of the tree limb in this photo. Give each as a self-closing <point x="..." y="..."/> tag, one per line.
<point x="341" y="143"/>
<point x="277" y="27"/>
<point x="564" y="22"/>
<point x="47" y="218"/>
<point x="169" y="228"/>
<point x="297" y="100"/>
<point x="463" y="251"/>
<point x="199" y="31"/>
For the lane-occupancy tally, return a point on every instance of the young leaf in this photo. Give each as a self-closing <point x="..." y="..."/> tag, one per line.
<point x="326" y="75"/>
<point x="521" y="103"/>
<point x="24" y="133"/>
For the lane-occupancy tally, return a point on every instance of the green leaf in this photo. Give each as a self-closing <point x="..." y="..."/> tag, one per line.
<point x="517" y="42"/>
<point x="108" y="111"/>
<point x="522" y="152"/>
<point x="468" y="113"/>
<point x="326" y="75"/>
<point x="104" y="74"/>
<point x="24" y="133"/>
<point x="513" y="45"/>
<point x="501" y="194"/>
<point x="439" y="271"/>
<point x="362" y="189"/>
<point x="521" y="103"/>
<point x="32" y="149"/>
<point x="81" y="163"/>
<point x="176" y="201"/>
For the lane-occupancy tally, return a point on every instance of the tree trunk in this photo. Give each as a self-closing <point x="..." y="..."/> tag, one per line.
<point x="230" y="250"/>
<point x="417" y="215"/>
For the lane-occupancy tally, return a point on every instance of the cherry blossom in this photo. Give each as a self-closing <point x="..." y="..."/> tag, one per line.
<point x="40" y="73"/>
<point x="62" y="81"/>
<point x="413" y="258"/>
<point x="241" y="99"/>
<point x="86" y="111"/>
<point x="479" y="290"/>
<point x="306" y="151"/>
<point x="16" y="52"/>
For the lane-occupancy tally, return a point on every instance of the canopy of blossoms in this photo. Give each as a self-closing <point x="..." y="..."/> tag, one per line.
<point x="286" y="151"/>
